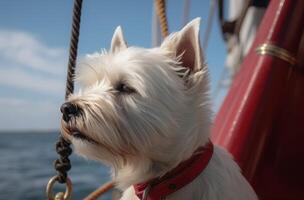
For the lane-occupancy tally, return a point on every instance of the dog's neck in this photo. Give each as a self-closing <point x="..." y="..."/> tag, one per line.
<point x="140" y="169"/>
<point x="178" y="177"/>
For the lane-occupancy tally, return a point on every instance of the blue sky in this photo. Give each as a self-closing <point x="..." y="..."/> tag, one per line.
<point x="34" y="39"/>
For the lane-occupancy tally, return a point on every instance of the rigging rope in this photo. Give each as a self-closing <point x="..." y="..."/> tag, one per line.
<point x="212" y="9"/>
<point x="161" y="12"/>
<point x="62" y="164"/>
<point x="100" y="191"/>
<point x="73" y="47"/>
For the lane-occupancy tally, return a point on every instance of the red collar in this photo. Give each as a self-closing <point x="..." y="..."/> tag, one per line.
<point x="177" y="178"/>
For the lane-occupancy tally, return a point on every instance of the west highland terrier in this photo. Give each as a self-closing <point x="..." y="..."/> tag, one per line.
<point x="146" y="113"/>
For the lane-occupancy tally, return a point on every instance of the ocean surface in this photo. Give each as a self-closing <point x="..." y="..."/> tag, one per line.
<point x="26" y="164"/>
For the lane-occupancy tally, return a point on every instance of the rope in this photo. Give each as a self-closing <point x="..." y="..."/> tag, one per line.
<point x="73" y="47"/>
<point x="161" y="12"/>
<point x="100" y="191"/>
<point x="62" y="165"/>
<point x="212" y="9"/>
<point x="185" y="18"/>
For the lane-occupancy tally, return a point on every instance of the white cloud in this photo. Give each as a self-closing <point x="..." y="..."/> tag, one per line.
<point x="20" y="48"/>
<point x="29" y="65"/>
<point x="22" y="79"/>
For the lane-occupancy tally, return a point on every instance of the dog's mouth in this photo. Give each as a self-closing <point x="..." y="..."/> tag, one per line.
<point x="79" y="135"/>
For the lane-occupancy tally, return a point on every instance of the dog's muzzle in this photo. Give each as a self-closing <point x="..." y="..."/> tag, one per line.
<point x="69" y="110"/>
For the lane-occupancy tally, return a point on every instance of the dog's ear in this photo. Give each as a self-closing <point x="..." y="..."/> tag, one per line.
<point x="185" y="46"/>
<point x="118" y="42"/>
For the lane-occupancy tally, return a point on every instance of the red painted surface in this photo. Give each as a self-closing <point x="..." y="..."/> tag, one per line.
<point x="261" y="121"/>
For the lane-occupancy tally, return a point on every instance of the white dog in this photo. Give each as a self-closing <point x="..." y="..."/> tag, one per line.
<point x="146" y="113"/>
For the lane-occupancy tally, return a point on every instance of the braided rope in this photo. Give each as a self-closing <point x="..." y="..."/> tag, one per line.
<point x="62" y="164"/>
<point x="161" y="12"/>
<point x="73" y="47"/>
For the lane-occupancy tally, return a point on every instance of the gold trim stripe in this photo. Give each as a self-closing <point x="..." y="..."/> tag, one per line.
<point x="272" y="50"/>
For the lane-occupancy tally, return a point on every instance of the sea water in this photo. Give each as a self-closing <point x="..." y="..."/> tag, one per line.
<point x="26" y="164"/>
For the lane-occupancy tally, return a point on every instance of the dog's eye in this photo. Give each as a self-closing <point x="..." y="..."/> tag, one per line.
<point x="123" y="88"/>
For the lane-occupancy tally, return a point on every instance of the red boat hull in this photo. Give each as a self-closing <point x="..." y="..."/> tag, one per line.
<point x="261" y="121"/>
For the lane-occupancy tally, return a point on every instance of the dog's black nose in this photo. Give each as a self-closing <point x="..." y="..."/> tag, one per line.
<point x="68" y="110"/>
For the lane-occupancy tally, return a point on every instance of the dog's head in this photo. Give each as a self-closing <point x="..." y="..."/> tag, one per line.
<point x="143" y="109"/>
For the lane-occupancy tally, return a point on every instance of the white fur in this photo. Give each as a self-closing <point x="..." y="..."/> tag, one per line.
<point x="220" y="180"/>
<point x="145" y="134"/>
